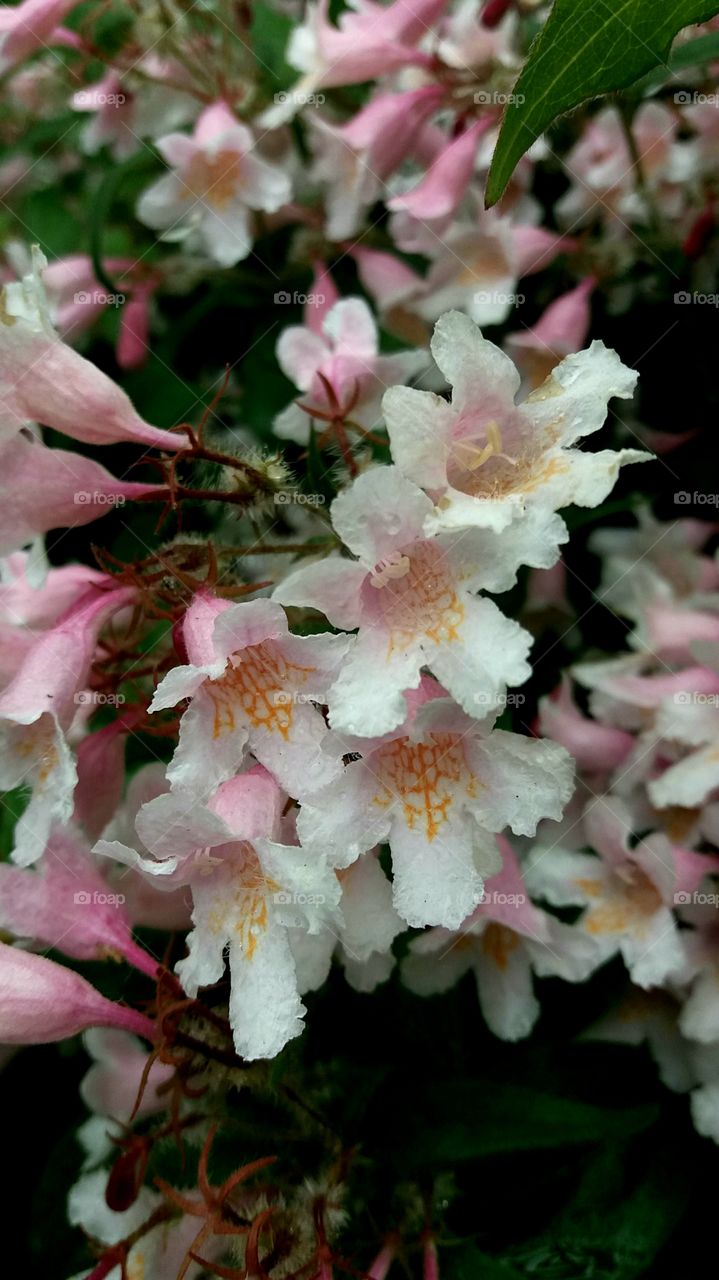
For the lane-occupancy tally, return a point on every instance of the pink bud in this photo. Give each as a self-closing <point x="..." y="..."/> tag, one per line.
<point x="133" y="338"/>
<point x="445" y="182"/>
<point x="561" y="329"/>
<point x="382" y="1263"/>
<point x="213" y="121"/>
<point x="322" y="287"/>
<point x="430" y="1261"/>
<point x="41" y="1001"/>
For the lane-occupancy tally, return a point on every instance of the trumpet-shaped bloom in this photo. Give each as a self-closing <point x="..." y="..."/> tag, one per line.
<point x="247" y="891"/>
<point x="27" y="27"/>
<point x="252" y="686"/>
<point x="65" y="903"/>
<point x="411" y="597"/>
<point x="43" y="380"/>
<point x="503" y="942"/>
<point x="43" y="489"/>
<point x="216" y="180"/>
<point x="628" y="892"/>
<point x="436" y="790"/>
<point x="344" y="357"/>
<point x="486" y="460"/>
<point x="41" y="1001"/>
<point x="37" y="708"/>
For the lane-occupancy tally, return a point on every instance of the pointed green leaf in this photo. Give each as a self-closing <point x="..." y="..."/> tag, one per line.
<point x="583" y="51"/>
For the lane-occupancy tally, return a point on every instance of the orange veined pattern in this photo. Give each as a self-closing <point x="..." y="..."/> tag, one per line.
<point x="425" y="776"/>
<point x="422" y="601"/>
<point x="256" y="687"/>
<point x="240" y="906"/>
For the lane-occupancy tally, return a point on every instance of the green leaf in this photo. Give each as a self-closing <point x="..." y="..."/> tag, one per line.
<point x="471" y="1119"/>
<point x="270" y="32"/>
<point x="469" y="1263"/>
<point x="583" y="51"/>
<point x="702" y="50"/>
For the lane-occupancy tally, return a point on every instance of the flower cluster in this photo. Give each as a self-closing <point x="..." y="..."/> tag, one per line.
<point x="646" y="751"/>
<point x="272" y="747"/>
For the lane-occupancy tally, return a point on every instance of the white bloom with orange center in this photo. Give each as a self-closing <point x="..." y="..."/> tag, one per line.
<point x="252" y="686"/>
<point x="436" y="790"/>
<point x="629" y="890"/>
<point x="37" y="709"/>
<point x="216" y="179"/>
<point x="248" y="891"/>
<point x="412" y="598"/>
<point x="503" y="942"/>
<point x="487" y="461"/>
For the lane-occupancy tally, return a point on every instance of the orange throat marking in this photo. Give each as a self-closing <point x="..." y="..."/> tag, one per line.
<point x="425" y="776"/>
<point x="255" y="690"/>
<point x="421" y="601"/>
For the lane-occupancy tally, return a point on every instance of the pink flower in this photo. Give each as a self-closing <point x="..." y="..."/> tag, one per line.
<point x="436" y="789"/>
<point x="436" y="198"/>
<point x="37" y="708"/>
<point x="560" y="330"/>
<point x="216" y="180"/>
<point x="369" y="41"/>
<point x="597" y="748"/>
<point x="252" y="686"/>
<point x="353" y="160"/>
<point x="628" y="891"/>
<point x="413" y="599"/>
<point x="476" y="264"/>
<point x="41" y="1001"/>
<point x="248" y="893"/>
<point x="486" y="460"/>
<point x="66" y="904"/>
<point x="29" y="26"/>
<point x="602" y="169"/>
<point x="111" y="1085"/>
<point x="43" y="489"/>
<point x="345" y="356"/>
<point x="32" y="598"/>
<point x="503" y="942"/>
<point x="43" y="380"/>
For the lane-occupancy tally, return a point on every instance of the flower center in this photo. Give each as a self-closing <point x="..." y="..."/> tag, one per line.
<point x="255" y="688"/>
<point x="213" y="179"/>
<point x="424" y="776"/>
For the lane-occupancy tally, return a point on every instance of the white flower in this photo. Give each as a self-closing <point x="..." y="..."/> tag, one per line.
<point x="486" y="460"/>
